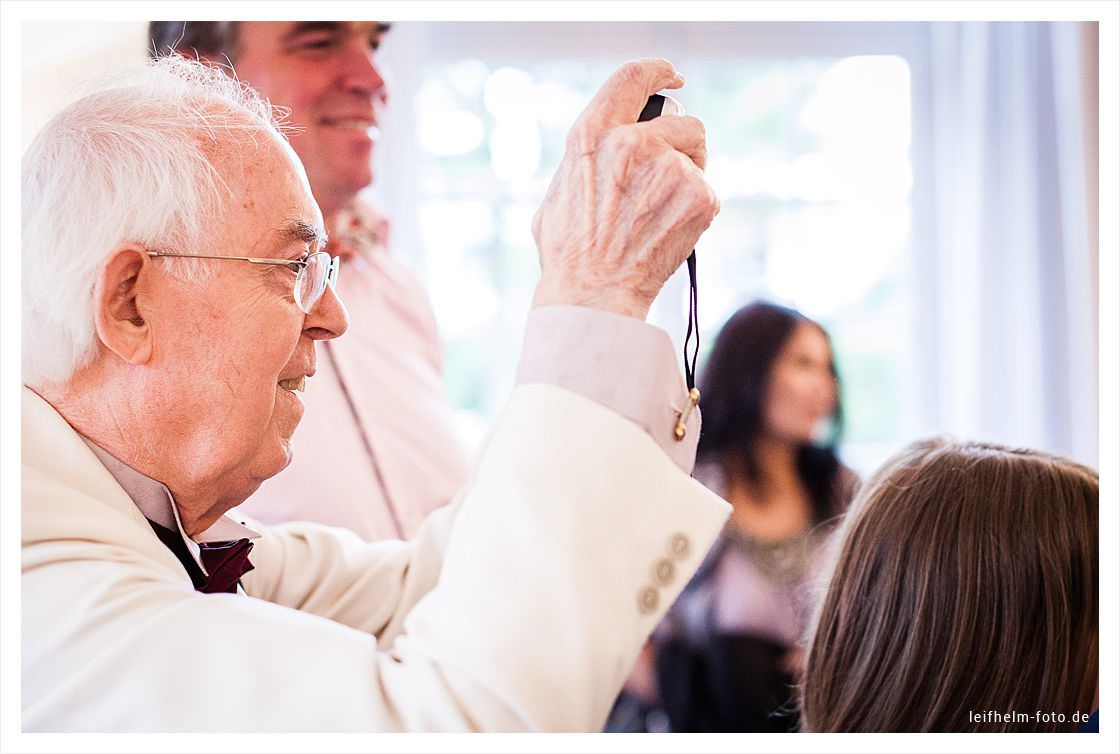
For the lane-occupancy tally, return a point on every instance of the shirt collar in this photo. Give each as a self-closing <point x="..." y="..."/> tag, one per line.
<point x="360" y="229"/>
<point x="156" y="504"/>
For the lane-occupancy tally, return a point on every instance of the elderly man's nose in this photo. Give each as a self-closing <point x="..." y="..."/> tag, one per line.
<point x="328" y="318"/>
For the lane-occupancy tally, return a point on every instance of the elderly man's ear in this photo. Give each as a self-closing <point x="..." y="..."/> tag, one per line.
<point x="120" y="304"/>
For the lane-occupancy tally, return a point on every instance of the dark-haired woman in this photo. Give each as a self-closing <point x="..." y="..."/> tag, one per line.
<point x="727" y="657"/>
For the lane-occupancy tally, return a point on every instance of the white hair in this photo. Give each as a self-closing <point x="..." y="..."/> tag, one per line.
<point x="138" y="160"/>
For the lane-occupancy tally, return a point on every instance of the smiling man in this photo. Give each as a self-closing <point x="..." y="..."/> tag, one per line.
<point x="174" y="289"/>
<point x="379" y="410"/>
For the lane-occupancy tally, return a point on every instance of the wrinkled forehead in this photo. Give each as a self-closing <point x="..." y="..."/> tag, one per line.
<point x="268" y="195"/>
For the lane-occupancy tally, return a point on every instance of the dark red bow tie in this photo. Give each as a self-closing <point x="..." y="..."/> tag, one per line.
<point x="226" y="562"/>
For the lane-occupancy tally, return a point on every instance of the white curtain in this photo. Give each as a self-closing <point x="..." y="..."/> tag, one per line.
<point x="1013" y="308"/>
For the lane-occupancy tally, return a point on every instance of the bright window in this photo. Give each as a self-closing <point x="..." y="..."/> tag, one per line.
<point x="810" y="156"/>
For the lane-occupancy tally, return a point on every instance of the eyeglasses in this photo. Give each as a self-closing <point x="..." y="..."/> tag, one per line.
<point x="313" y="273"/>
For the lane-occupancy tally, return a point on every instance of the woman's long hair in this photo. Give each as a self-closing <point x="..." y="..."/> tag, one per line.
<point x="964" y="590"/>
<point x="733" y="390"/>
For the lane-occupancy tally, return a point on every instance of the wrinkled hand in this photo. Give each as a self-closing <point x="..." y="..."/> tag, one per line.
<point x="628" y="201"/>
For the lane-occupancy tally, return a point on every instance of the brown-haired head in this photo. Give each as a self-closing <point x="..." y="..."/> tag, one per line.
<point x="964" y="584"/>
<point x="218" y="40"/>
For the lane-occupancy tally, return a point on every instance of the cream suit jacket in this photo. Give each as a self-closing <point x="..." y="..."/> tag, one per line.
<point x="522" y="606"/>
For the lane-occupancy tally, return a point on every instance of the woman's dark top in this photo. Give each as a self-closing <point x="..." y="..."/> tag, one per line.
<point x="729" y="649"/>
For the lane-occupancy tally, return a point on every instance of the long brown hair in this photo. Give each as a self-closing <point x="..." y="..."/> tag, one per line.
<point x="963" y="591"/>
<point x="734" y="385"/>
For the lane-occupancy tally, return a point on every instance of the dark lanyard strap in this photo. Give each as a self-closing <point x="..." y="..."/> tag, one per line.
<point x="693" y="326"/>
<point x="692" y="335"/>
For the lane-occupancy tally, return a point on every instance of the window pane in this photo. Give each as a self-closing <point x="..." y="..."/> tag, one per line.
<point x="810" y="158"/>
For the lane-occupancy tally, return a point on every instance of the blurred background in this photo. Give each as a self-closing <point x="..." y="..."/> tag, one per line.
<point x="926" y="191"/>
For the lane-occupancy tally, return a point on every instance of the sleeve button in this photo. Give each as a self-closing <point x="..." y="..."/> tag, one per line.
<point x="679" y="546"/>
<point x="663" y="571"/>
<point x="648" y="599"/>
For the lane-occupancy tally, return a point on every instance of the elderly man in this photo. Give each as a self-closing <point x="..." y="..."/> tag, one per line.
<point x="174" y="287"/>
<point x="377" y="409"/>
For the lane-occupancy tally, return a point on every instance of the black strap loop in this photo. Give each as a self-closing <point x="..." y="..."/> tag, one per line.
<point x="693" y="326"/>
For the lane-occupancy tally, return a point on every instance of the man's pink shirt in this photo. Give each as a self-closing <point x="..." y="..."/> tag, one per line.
<point x="376" y="450"/>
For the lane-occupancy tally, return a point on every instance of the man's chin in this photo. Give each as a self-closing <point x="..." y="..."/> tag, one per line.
<point x="355" y="172"/>
<point x="355" y="183"/>
<point x="287" y="455"/>
<point x="276" y="463"/>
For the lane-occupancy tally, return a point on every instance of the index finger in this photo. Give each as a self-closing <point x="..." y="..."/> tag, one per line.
<point x="683" y="133"/>
<point x="620" y="100"/>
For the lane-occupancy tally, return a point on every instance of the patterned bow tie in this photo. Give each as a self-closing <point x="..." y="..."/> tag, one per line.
<point x="226" y="562"/>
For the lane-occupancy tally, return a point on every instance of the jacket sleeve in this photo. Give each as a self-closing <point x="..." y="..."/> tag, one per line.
<point x="569" y="543"/>
<point x="333" y="573"/>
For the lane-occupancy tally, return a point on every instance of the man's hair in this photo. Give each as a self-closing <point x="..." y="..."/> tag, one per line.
<point x="212" y="39"/>
<point x="140" y="159"/>
<point x="965" y="582"/>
